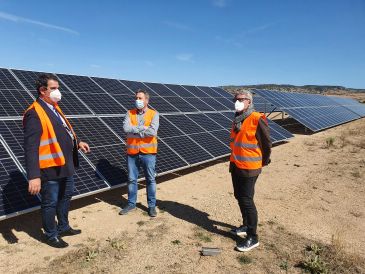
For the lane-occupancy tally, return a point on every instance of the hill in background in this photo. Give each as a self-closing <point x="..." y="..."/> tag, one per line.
<point x="358" y="94"/>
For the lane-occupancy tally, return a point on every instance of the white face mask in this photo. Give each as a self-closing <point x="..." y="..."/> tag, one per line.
<point x="239" y="106"/>
<point x="55" y="95"/>
<point x="139" y="104"/>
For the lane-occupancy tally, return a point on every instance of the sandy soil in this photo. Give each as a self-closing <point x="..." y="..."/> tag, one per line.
<point x="313" y="191"/>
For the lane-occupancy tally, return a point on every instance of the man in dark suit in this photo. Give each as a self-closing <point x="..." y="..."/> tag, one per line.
<point x="51" y="155"/>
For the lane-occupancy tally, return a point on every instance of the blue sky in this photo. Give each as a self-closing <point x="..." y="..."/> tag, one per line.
<point x="199" y="42"/>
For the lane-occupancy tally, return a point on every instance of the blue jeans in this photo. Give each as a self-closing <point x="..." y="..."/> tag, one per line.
<point x="56" y="196"/>
<point x="147" y="162"/>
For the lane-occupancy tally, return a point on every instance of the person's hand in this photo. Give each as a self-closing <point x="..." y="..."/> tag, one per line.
<point x="84" y="147"/>
<point x="34" y="186"/>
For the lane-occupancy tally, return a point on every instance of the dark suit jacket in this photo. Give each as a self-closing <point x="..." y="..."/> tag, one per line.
<point x="32" y="137"/>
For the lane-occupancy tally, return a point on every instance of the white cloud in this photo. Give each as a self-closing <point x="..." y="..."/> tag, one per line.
<point x="220" y="3"/>
<point x="185" y="57"/>
<point x="18" y="19"/>
<point x="177" y="25"/>
<point x="257" y="29"/>
<point x="241" y="38"/>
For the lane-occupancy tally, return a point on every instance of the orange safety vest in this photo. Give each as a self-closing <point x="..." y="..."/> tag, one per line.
<point x="137" y="144"/>
<point x="50" y="153"/>
<point x="245" y="151"/>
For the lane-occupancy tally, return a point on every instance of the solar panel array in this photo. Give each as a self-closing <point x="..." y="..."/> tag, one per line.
<point x="194" y="128"/>
<point x="314" y="111"/>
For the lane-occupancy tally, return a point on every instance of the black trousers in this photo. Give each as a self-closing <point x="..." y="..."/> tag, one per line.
<point x="244" y="191"/>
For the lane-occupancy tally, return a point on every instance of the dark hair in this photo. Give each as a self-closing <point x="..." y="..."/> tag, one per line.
<point x="42" y="81"/>
<point x="144" y="92"/>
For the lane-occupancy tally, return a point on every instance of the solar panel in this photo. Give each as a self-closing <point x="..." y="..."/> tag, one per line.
<point x="193" y="129"/>
<point x="94" y="132"/>
<point x="204" y="121"/>
<point x="69" y="104"/>
<point x="223" y="135"/>
<point x="167" y="159"/>
<point x="184" y="124"/>
<point x="113" y="86"/>
<point x="134" y="86"/>
<point x="199" y="104"/>
<point x="316" y="112"/>
<point x="14" y="196"/>
<point x="215" y="104"/>
<point x="87" y="181"/>
<point x="179" y="90"/>
<point x="210" y="143"/>
<point x="324" y="117"/>
<point x="14" y="99"/>
<point x="85" y="177"/>
<point x="210" y="92"/>
<point x="110" y="161"/>
<point x="108" y="106"/>
<point x="168" y="129"/>
<point x="188" y="149"/>
<point x="180" y="103"/>
<point x="116" y="124"/>
<point x="220" y="119"/>
<point x="79" y="84"/>
<point x="262" y="105"/>
<point x="161" y="104"/>
<point x="28" y="79"/>
<point x="12" y="132"/>
<point x="127" y="101"/>
<point x="351" y="104"/>
<point x="3" y="153"/>
<point x="278" y="133"/>
<point x="227" y="102"/>
<point x="222" y="92"/>
<point x="160" y="89"/>
<point x="195" y="91"/>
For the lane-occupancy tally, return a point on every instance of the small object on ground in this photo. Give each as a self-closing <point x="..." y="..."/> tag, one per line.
<point x="210" y="251"/>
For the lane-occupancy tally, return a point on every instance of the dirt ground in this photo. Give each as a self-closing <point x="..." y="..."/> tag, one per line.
<point x="311" y="194"/>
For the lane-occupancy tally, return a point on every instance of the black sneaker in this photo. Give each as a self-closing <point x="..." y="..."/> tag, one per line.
<point x="152" y="211"/>
<point x="70" y="232"/>
<point x="239" y="231"/>
<point x="249" y="243"/>
<point x="56" y="242"/>
<point x="127" y="209"/>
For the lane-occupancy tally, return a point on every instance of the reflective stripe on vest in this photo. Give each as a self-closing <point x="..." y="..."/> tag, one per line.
<point x="136" y="143"/>
<point x="48" y="141"/>
<point x="247" y="159"/>
<point x="50" y="156"/>
<point x="50" y="152"/>
<point x="245" y="145"/>
<point x="246" y="153"/>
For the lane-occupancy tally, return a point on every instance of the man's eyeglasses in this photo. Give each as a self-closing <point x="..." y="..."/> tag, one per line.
<point x="240" y="99"/>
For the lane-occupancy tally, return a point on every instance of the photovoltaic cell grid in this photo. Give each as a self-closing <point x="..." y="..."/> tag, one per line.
<point x="351" y="104"/>
<point x="187" y="138"/>
<point x="13" y="97"/>
<point x="86" y="180"/>
<point x="14" y="187"/>
<point x="69" y="104"/>
<point x="278" y="133"/>
<point x="316" y="112"/>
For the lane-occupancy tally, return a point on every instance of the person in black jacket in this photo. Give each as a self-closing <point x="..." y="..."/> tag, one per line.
<point x="251" y="149"/>
<point x="55" y="181"/>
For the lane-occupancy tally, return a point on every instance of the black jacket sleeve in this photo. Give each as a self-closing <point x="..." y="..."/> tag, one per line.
<point x="264" y="141"/>
<point x="32" y="138"/>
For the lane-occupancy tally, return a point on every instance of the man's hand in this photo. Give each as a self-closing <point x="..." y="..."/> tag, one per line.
<point x="84" y="147"/>
<point x="34" y="186"/>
